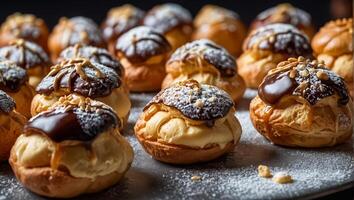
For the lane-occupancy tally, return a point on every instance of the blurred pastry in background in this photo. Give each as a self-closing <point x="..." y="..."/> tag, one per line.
<point x="14" y="81"/>
<point x="301" y="103"/>
<point x="188" y="123"/>
<point x="334" y="45"/>
<point x="207" y="63"/>
<point x="29" y="56"/>
<point x="287" y="14"/>
<point x="118" y="21"/>
<point x="221" y="26"/>
<point x="76" y="30"/>
<point x="143" y="53"/>
<point x="11" y="125"/>
<point x="173" y="21"/>
<point x="83" y="78"/>
<point x="341" y="8"/>
<point x="25" y="26"/>
<point x="73" y="148"/>
<point x="268" y="45"/>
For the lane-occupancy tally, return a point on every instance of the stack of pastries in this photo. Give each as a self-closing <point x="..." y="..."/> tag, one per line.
<point x="64" y="95"/>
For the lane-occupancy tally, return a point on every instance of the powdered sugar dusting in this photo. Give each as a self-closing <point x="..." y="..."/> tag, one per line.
<point x="233" y="176"/>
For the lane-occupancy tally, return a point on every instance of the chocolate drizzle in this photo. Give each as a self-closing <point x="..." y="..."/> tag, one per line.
<point x="12" y="77"/>
<point x="7" y="104"/>
<point x="195" y="101"/>
<point x="71" y="122"/>
<point x="79" y="30"/>
<point x="303" y="78"/>
<point x="211" y="52"/>
<point x="279" y="38"/>
<point x="25" y="54"/>
<point x="166" y="17"/>
<point x="141" y="43"/>
<point x="283" y="13"/>
<point x="81" y="76"/>
<point x="121" y="19"/>
<point x="94" y="54"/>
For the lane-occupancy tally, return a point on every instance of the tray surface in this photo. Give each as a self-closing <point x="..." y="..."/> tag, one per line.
<point x="315" y="172"/>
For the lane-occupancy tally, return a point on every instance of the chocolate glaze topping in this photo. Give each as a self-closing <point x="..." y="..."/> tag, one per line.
<point x="12" y="77"/>
<point x="165" y="17"/>
<point x="120" y="20"/>
<point x="279" y="38"/>
<point x="67" y="121"/>
<point x="141" y="43"/>
<point x="300" y="77"/>
<point x="195" y="101"/>
<point x="7" y="104"/>
<point x="79" y="30"/>
<point x="81" y="76"/>
<point x="94" y="54"/>
<point x="283" y="13"/>
<point x="25" y="54"/>
<point x="25" y="26"/>
<point x="210" y="52"/>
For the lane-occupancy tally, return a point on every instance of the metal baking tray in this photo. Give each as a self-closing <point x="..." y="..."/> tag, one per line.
<point x="316" y="172"/>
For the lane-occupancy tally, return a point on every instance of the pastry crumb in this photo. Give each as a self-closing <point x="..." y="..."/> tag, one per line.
<point x="196" y="178"/>
<point x="282" y="178"/>
<point x="264" y="171"/>
<point x="199" y="103"/>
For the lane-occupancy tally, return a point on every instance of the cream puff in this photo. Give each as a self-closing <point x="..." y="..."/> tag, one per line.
<point x="72" y="148"/>
<point x="11" y="124"/>
<point x="14" y="81"/>
<point x="82" y="77"/>
<point x="266" y="46"/>
<point x="287" y="14"/>
<point x="301" y="103"/>
<point x="118" y="21"/>
<point x="334" y="45"/>
<point x="207" y="63"/>
<point x="25" y="26"/>
<point x="143" y="53"/>
<point x="188" y="123"/>
<point x="76" y="30"/>
<point x="29" y="56"/>
<point x="173" y="21"/>
<point x="221" y="26"/>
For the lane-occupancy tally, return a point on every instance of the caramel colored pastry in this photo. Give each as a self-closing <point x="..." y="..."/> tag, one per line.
<point x="29" y="56"/>
<point x="302" y="103"/>
<point x="11" y="124"/>
<point x="94" y="54"/>
<point x="266" y="46"/>
<point x="118" y="21"/>
<point x="334" y="45"/>
<point x="188" y="123"/>
<point x="207" y="63"/>
<point x="72" y="148"/>
<point x="83" y="78"/>
<point x="25" y="26"/>
<point x="13" y="80"/>
<point x="287" y="14"/>
<point x="221" y="26"/>
<point x="143" y="53"/>
<point x="76" y="30"/>
<point x="173" y="21"/>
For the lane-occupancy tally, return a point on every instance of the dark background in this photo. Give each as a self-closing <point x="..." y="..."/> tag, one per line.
<point x="52" y="10"/>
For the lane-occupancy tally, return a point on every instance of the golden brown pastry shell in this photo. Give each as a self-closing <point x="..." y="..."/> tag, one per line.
<point x="253" y="65"/>
<point x="178" y="154"/>
<point x="293" y="122"/>
<point x="144" y="77"/>
<point x="60" y="184"/>
<point x="11" y="126"/>
<point x="178" y="36"/>
<point x="23" y="99"/>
